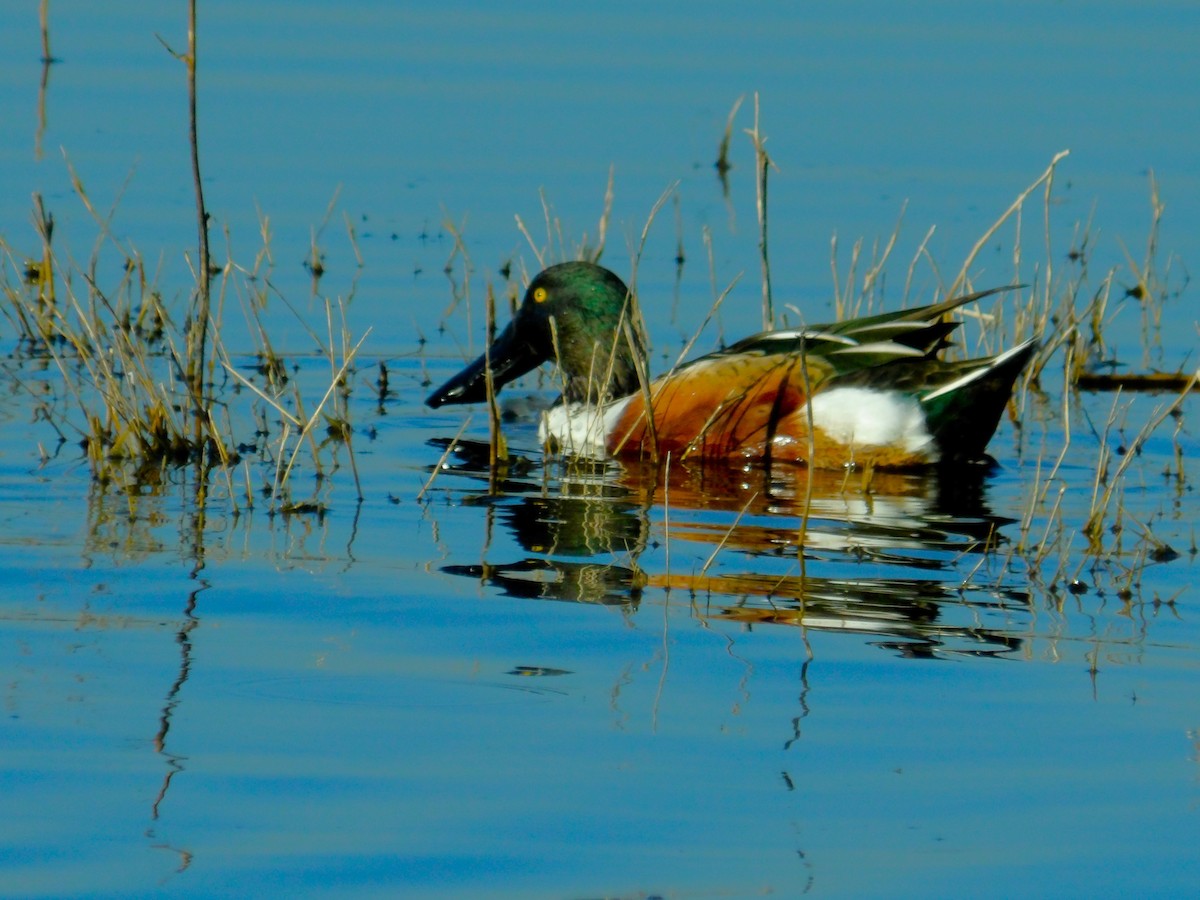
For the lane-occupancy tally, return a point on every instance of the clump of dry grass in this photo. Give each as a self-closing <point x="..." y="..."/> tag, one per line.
<point x="1067" y="545"/>
<point x="142" y="386"/>
<point x="122" y="360"/>
<point x="112" y="369"/>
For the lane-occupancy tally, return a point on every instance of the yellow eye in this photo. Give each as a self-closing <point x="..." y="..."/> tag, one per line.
<point x="540" y="295"/>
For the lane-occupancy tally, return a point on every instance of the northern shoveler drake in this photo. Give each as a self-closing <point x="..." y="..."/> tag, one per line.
<point x="870" y="391"/>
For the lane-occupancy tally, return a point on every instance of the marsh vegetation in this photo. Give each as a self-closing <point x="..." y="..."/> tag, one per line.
<point x="216" y="468"/>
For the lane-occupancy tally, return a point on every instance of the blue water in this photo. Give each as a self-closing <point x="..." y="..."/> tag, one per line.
<point x="541" y="690"/>
<point x="407" y="117"/>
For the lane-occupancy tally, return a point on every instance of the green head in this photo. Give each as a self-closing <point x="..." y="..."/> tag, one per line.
<point x="577" y="313"/>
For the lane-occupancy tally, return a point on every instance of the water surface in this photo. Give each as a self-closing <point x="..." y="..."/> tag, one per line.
<point x="578" y="681"/>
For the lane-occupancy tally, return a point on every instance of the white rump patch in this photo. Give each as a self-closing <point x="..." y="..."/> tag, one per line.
<point x="866" y="418"/>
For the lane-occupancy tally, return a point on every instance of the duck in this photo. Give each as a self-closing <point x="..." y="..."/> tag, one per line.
<point x="871" y="392"/>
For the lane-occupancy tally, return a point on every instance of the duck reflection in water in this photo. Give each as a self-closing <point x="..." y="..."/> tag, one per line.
<point x="878" y="558"/>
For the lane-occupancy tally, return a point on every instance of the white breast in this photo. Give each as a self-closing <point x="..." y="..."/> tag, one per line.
<point x="580" y="429"/>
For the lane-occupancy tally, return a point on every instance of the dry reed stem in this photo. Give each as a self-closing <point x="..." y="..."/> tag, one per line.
<point x="724" y="538"/>
<point x="1093" y="528"/>
<point x="44" y="24"/>
<point x="537" y="253"/>
<point x="1046" y="178"/>
<point x="667" y="518"/>
<point x="197" y="340"/>
<point x="763" y="164"/>
<point x="723" y="165"/>
<point x="645" y="384"/>
<point x="922" y="251"/>
<point x="639" y="323"/>
<point x="605" y="215"/>
<point x="875" y="273"/>
<point x="352" y="233"/>
<point x="712" y="311"/>
<point x="632" y="327"/>
<point x="442" y="459"/>
<point x="806" y="509"/>
<point x="497" y="445"/>
<point x="457" y="249"/>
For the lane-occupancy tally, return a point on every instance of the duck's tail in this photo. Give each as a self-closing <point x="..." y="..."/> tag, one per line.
<point x="963" y="413"/>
